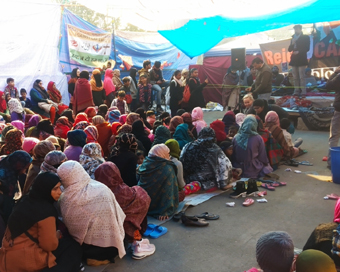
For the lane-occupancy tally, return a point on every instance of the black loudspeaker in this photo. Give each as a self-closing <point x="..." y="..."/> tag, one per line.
<point x="238" y="59"/>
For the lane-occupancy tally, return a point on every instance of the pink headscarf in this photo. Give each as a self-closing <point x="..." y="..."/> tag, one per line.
<point x="272" y="119"/>
<point x="239" y="118"/>
<point x="197" y="118"/>
<point x="19" y="125"/>
<point x="108" y="84"/>
<point x="337" y="212"/>
<point x="122" y="119"/>
<point x="160" y="150"/>
<point x="29" y="143"/>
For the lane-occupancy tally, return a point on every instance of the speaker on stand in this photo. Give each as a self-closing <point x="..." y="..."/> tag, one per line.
<point x="238" y="59"/>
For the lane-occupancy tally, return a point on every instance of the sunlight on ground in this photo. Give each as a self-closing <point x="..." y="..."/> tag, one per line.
<point x="322" y="178"/>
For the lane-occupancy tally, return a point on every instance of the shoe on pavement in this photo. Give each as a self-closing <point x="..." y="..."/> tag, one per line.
<point x="140" y="251"/>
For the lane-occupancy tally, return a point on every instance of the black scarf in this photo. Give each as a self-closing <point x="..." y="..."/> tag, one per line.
<point x="36" y="206"/>
<point x="133" y="73"/>
<point x="43" y="93"/>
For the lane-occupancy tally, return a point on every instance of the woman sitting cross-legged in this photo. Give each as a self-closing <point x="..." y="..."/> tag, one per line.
<point x="204" y="161"/>
<point x="135" y="203"/>
<point x="158" y="176"/>
<point x="249" y="152"/>
<point x="32" y="241"/>
<point x="91" y="214"/>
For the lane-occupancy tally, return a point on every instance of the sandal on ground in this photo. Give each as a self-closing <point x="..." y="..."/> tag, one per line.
<point x="277" y="184"/>
<point x="194" y="221"/>
<point x="333" y="196"/>
<point x="291" y="163"/>
<point x="150" y="228"/>
<point x="268" y="187"/>
<point x="177" y="216"/>
<point x="208" y="216"/>
<point x="306" y="163"/>
<point x="248" y="202"/>
<point x="262" y="193"/>
<point x="158" y="232"/>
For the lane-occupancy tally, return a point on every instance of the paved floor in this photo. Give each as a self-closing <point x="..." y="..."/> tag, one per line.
<point x="228" y="244"/>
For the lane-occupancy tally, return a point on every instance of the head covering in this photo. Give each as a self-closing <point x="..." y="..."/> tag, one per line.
<point x="197" y="117"/>
<point x="15" y="106"/>
<point x="162" y="134"/>
<point x="77" y="137"/>
<point x="5" y="130"/>
<point x="125" y="129"/>
<point x="69" y="114"/>
<point x="160" y="150"/>
<point x="219" y="128"/>
<point x="173" y="145"/>
<point x="91" y="157"/>
<point x="229" y="120"/>
<point x="337" y="212"/>
<point x="101" y="221"/>
<point x="116" y="79"/>
<point x="181" y="135"/>
<point x="13" y="142"/>
<point x="62" y="126"/>
<point x="134" y="201"/>
<point x="53" y="140"/>
<point x="41" y="91"/>
<point x="97" y="120"/>
<point x="41" y="149"/>
<point x="180" y="112"/>
<point x="187" y="118"/>
<point x="272" y="119"/>
<point x="52" y="161"/>
<point x="312" y="260"/>
<point x="133" y="73"/>
<point x="96" y="81"/>
<point x="131" y="118"/>
<point x="53" y="92"/>
<point x="29" y="143"/>
<point x="80" y="117"/>
<point x="92" y="134"/>
<point x="10" y="168"/>
<point x="240" y="118"/>
<point x="275" y="251"/>
<point x="74" y="73"/>
<point x="114" y="127"/>
<point x="125" y="142"/>
<point x="248" y="129"/>
<point x="19" y="125"/>
<point x="3" y="105"/>
<point x="81" y="125"/>
<point x="90" y="112"/>
<point x="113" y="116"/>
<point x="174" y="122"/>
<point x="46" y="126"/>
<point x="84" y="74"/>
<point x="102" y="110"/>
<point x="35" y="207"/>
<point x="122" y="119"/>
<point x="108" y="84"/>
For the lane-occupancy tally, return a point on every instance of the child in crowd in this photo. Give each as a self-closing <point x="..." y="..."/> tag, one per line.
<point x="23" y="98"/>
<point x="140" y="158"/>
<point x="11" y="89"/>
<point x="151" y="117"/>
<point x="8" y="97"/>
<point x="232" y="132"/>
<point x="284" y="124"/>
<point x="126" y="89"/>
<point x="145" y="91"/>
<point x="120" y="103"/>
<point x="227" y="147"/>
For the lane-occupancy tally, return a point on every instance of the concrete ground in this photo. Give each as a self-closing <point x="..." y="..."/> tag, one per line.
<point x="228" y="244"/>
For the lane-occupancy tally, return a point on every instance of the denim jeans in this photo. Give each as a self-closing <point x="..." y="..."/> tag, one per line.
<point x="158" y="89"/>
<point x="299" y="79"/>
<point x="334" y="134"/>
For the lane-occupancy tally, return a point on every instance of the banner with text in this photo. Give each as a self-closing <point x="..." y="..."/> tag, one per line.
<point x="88" y="48"/>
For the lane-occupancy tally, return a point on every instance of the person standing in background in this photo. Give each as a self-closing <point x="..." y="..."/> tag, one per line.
<point x="299" y="46"/>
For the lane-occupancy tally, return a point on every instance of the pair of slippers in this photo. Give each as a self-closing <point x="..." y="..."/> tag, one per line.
<point x="271" y="186"/>
<point x="154" y="231"/>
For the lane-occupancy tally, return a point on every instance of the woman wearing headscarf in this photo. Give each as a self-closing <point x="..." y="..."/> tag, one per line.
<point x="229" y="120"/>
<point x="174" y="122"/>
<point x="219" y="127"/>
<point x="182" y="136"/>
<point x="13" y="142"/>
<point x="142" y="116"/>
<point x="32" y="126"/>
<point x="90" y="112"/>
<point x="230" y="90"/>
<point x="113" y="116"/>
<point x="109" y="87"/>
<point x="41" y="102"/>
<point x="3" y="105"/>
<point x="239" y="118"/>
<point x="16" y="110"/>
<point x="176" y="92"/>
<point x="197" y="118"/>
<point x="72" y="83"/>
<point x="97" y="86"/>
<point x="39" y="153"/>
<point x="19" y="125"/>
<point x="133" y="89"/>
<point x="5" y="130"/>
<point x="204" y="161"/>
<point x="62" y="126"/>
<point x="187" y="119"/>
<point x="104" y="133"/>
<point x="29" y="143"/>
<point x="273" y="149"/>
<point x="132" y="117"/>
<point x="76" y="139"/>
<point x="11" y="167"/>
<point x="322" y="236"/>
<point x="69" y="114"/>
<point x="55" y="96"/>
<point x="158" y="177"/>
<point x="249" y="152"/>
<point x="82" y="96"/>
<point x="314" y="261"/>
<point x="123" y="155"/>
<point x="134" y="201"/>
<point x="162" y="134"/>
<point x="32" y="241"/>
<point x="261" y="108"/>
<point x="185" y="74"/>
<point x="80" y="117"/>
<point x="116" y="79"/>
<point x="44" y="129"/>
<point x="98" y="228"/>
<point x="52" y="161"/>
<point x="272" y="123"/>
<point x="91" y="158"/>
<point x="140" y="134"/>
<point x="196" y="90"/>
<point x="92" y="134"/>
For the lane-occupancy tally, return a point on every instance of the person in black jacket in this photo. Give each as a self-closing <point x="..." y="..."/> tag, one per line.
<point x="72" y="83"/>
<point x="196" y="90"/>
<point x="260" y="108"/>
<point x="333" y="84"/>
<point x="176" y="92"/>
<point x="299" y="45"/>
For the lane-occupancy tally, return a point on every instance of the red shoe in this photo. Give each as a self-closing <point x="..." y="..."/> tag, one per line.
<point x="248" y="202"/>
<point x="262" y="193"/>
<point x="325" y="158"/>
<point x="333" y="196"/>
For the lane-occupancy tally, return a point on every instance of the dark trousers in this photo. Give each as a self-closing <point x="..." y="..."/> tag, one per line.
<point x="99" y="253"/>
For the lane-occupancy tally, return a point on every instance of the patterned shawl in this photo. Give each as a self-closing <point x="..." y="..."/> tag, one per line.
<point x="248" y="129"/>
<point x="52" y="161"/>
<point x="162" y="134"/>
<point x="13" y="142"/>
<point x="91" y="157"/>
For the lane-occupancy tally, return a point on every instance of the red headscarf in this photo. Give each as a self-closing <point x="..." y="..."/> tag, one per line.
<point x="62" y="126"/>
<point x="53" y="93"/>
<point x="90" y="111"/>
<point x="337" y="212"/>
<point x="3" y="105"/>
<point x="218" y="126"/>
<point x="114" y="127"/>
<point x="80" y="117"/>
